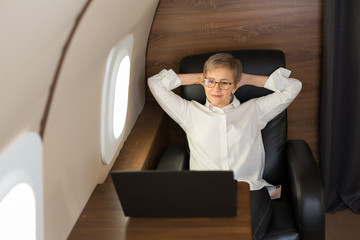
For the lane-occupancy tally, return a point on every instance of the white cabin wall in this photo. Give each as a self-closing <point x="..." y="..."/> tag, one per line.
<point x="33" y="35"/>
<point x="72" y="154"/>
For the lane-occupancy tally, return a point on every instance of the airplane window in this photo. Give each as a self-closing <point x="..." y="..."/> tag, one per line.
<point x="18" y="213"/>
<point x="121" y="99"/>
<point x="21" y="188"/>
<point x="115" y="97"/>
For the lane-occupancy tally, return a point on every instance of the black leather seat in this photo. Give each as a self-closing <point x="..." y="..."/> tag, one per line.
<point x="299" y="214"/>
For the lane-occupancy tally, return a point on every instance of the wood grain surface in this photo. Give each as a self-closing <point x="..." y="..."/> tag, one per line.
<point x="103" y="218"/>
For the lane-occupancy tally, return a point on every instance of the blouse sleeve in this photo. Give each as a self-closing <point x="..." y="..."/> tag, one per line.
<point x="285" y="91"/>
<point x="161" y="86"/>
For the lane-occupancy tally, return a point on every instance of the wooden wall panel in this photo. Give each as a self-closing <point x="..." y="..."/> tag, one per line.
<point x="187" y="27"/>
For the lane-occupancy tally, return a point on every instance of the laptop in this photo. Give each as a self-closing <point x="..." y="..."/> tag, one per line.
<point x="151" y="193"/>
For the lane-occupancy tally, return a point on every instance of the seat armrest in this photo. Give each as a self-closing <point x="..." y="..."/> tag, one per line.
<point x="175" y="158"/>
<point x="306" y="191"/>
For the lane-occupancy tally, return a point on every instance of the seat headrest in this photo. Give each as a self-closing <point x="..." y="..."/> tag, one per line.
<point x="257" y="61"/>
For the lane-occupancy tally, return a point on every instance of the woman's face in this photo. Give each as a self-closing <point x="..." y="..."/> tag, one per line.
<point x="219" y="96"/>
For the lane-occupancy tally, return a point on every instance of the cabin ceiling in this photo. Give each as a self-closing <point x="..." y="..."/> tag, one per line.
<point x="33" y="34"/>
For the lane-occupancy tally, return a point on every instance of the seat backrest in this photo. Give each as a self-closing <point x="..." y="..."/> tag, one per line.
<point x="259" y="62"/>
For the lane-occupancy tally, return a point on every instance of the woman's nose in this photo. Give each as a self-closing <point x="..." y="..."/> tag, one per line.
<point x="217" y="86"/>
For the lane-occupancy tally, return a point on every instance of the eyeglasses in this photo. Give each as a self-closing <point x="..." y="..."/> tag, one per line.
<point x="223" y="85"/>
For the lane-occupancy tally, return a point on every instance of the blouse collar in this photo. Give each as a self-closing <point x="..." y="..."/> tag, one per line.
<point x="234" y="102"/>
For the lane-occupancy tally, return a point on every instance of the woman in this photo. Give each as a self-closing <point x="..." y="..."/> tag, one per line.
<point x="225" y="134"/>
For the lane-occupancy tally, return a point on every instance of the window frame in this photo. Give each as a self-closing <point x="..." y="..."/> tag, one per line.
<point x="109" y="143"/>
<point x="22" y="162"/>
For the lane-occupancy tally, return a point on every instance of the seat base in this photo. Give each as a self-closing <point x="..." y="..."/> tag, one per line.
<point x="282" y="225"/>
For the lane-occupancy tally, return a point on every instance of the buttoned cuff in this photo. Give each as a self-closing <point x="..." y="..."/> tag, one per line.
<point x="170" y="79"/>
<point x="276" y="78"/>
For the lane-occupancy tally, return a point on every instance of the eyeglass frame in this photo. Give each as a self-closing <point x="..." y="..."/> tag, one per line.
<point x="228" y="84"/>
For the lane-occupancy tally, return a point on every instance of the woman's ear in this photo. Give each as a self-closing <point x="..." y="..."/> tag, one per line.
<point x="236" y="87"/>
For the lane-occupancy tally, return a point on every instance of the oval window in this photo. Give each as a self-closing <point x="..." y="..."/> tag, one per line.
<point x="21" y="188"/>
<point x="121" y="96"/>
<point x="115" y="97"/>
<point x="18" y="213"/>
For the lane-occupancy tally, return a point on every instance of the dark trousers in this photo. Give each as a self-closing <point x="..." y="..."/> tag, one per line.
<point x="260" y="212"/>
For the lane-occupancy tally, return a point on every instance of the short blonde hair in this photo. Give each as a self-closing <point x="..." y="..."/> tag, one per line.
<point x="224" y="60"/>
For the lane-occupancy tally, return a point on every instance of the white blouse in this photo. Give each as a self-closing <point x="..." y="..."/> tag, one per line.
<point x="227" y="138"/>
